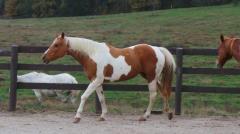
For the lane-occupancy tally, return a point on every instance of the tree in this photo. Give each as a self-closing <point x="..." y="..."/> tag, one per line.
<point x="166" y="4"/>
<point x="75" y="7"/>
<point x="44" y="8"/>
<point x="10" y="8"/>
<point x="1" y="6"/>
<point x="116" y="6"/>
<point x="141" y="5"/>
<point x="24" y="8"/>
<point x="181" y="3"/>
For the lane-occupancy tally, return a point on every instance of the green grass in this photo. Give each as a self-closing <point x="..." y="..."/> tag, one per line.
<point x="190" y="27"/>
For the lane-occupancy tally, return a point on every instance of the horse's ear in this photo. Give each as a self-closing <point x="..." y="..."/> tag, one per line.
<point x="62" y="35"/>
<point x="222" y="38"/>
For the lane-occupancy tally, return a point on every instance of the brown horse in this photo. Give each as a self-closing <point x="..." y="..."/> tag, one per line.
<point x="103" y="62"/>
<point x="229" y="47"/>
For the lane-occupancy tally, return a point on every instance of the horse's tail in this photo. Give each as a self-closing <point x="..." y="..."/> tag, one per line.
<point x="165" y="81"/>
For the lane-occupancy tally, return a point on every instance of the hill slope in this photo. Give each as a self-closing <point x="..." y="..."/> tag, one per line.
<point x="190" y="27"/>
<point x="194" y="27"/>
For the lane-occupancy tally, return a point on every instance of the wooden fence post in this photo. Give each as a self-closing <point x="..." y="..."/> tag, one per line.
<point x="97" y="104"/>
<point x="178" y="94"/>
<point x="13" y="79"/>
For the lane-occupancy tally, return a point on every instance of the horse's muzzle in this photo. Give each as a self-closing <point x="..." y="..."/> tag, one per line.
<point x="44" y="59"/>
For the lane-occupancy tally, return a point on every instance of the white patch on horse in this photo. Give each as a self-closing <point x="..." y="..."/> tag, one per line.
<point x="160" y="61"/>
<point x="46" y="52"/>
<point x="132" y="47"/>
<point x="100" y="54"/>
<point x="120" y="67"/>
<point x="83" y="45"/>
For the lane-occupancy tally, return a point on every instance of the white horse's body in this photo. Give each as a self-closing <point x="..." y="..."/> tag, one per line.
<point x="35" y="77"/>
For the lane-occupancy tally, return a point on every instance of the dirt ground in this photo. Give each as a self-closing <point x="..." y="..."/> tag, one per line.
<point x="61" y="123"/>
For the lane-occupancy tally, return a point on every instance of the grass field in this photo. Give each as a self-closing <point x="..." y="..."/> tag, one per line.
<point x="191" y="27"/>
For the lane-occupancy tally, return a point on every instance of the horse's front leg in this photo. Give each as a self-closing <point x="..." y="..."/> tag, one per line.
<point x="101" y="98"/>
<point x="90" y="89"/>
<point x="61" y="96"/>
<point x="74" y="95"/>
<point x="38" y="94"/>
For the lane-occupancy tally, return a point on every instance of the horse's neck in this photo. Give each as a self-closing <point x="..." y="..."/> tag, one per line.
<point x="82" y="49"/>
<point x="83" y="45"/>
<point x="236" y="49"/>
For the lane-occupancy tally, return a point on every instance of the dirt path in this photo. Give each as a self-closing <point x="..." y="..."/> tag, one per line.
<point x="60" y="123"/>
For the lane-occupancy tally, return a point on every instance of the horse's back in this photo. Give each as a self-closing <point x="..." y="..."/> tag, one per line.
<point x="151" y="59"/>
<point x="141" y="58"/>
<point x="65" y="78"/>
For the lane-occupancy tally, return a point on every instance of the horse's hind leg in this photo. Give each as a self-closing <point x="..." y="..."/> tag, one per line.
<point x="166" y="106"/>
<point x="74" y="95"/>
<point x="61" y="96"/>
<point x="152" y="97"/>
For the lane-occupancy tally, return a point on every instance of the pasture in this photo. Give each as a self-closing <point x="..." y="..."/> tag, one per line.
<point x="191" y="27"/>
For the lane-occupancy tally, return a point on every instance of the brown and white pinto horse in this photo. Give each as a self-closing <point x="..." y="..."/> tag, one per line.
<point x="103" y="62"/>
<point x="228" y="48"/>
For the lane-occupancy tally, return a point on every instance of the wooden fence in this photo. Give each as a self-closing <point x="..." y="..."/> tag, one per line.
<point x="14" y="66"/>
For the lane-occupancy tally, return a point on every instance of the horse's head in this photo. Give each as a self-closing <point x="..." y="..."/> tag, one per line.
<point x="57" y="49"/>
<point x="223" y="51"/>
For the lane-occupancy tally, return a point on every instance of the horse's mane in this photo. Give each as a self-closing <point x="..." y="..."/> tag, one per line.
<point x="84" y="45"/>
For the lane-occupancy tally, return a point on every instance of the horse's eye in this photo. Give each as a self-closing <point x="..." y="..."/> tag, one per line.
<point x="56" y="45"/>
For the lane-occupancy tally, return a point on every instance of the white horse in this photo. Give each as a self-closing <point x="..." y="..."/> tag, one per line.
<point x="35" y="77"/>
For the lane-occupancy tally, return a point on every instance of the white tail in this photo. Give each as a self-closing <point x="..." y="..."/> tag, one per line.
<point x="165" y="81"/>
<point x="169" y="58"/>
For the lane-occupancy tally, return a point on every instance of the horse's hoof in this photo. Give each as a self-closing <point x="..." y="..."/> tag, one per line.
<point x="76" y="120"/>
<point x="101" y="119"/>
<point x="142" y="119"/>
<point x="170" y="116"/>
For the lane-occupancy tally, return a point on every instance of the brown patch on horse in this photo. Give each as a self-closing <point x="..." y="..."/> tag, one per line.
<point x="141" y="58"/>
<point x="108" y="70"/>
<point x="229" y="47"/>
<point x="148" y="60"/>
<point x="234" y="45"/>
<point x="236" y="49"/>
<point x="89" y="66"/>
<point x="229" y="44"/>
<point x="130" y="58"/>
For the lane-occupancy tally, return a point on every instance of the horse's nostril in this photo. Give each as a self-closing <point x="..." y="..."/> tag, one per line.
<point x="43" y="57"/>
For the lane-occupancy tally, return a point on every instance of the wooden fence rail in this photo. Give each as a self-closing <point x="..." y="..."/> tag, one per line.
<point x="14" y="66"/>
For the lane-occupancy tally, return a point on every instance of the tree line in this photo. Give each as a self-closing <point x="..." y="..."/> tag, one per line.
<point x="49" y="8"/>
